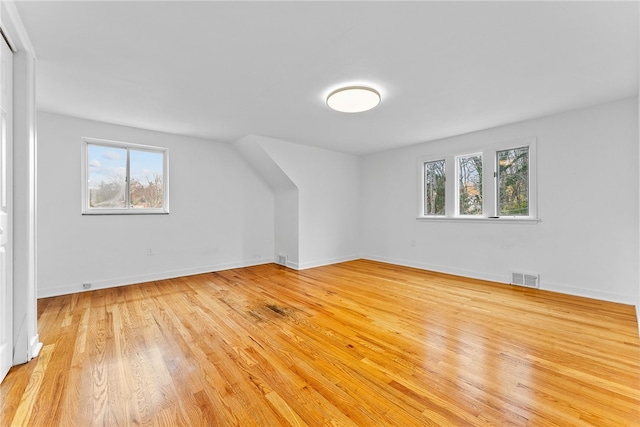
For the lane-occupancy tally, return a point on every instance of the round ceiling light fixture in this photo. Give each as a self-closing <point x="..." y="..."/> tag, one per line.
<point x="353" y="99"/>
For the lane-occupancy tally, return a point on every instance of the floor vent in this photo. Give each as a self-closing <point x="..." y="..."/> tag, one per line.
<point x="282" y="259"/>
<point x="526" y="280"/>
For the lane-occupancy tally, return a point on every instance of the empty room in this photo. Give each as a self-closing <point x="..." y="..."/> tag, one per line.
<point x="331" y="213"/>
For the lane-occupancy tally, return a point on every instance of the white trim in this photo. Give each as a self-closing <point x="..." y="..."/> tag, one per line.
<point x="504" y="279"/>
<point x="638" y="316"/>
<point x="292" y="265"/>
<point x="143" y="278"/>
<point x="439" y="269"/>
<point x="328" y="261"/>
<point x="545" y="286"/>
<point x="588" y="293"/>
<point x="320" y="263"/>
<point x="35" y="346"/>
<point x="16" y="32"/>
<point x="122" y="144"/>
<point x="501" y="219"/>
<point x="24" y="130"/>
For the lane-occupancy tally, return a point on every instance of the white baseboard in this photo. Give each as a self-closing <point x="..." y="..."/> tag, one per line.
<point x="293" y="265"/>
<point x="440" y="269"/>
<point x="314" y="264"/>
<point x="638" y="316"/>
<point x="588" y="293"/>
<point x="553" y="287"/>
<point x="131" y="280"/>
<point x="35" y="346"/>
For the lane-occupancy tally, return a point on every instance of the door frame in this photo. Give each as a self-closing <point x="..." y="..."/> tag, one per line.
<point x="6" y="208"/>
<point x="26" y="341"/>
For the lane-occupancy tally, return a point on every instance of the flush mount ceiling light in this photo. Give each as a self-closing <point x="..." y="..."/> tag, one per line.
<point x="353" y="99"/>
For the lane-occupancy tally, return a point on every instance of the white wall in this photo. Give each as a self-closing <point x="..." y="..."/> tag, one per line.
<point x="221" y="213"/>
<point x="328" y="200"/>
<point x="587" y="240"/>
<point x="286" y="229"/>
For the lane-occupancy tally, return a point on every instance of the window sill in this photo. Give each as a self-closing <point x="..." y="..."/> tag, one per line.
<point x="512" y="220"/>
<point x="123" y="212"/>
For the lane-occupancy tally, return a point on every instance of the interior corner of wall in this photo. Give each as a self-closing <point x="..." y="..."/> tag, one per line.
<point x="255" y="150"/>
<point x="245" y="140"/>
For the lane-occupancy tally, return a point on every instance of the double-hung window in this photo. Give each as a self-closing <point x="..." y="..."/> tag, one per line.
<point x="495" y="182"/>
<point x="123" y="178"/>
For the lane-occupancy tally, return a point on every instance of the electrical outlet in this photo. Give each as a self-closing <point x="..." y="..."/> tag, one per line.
<point x="86" y="286"/>
<point x="149" y="251"/>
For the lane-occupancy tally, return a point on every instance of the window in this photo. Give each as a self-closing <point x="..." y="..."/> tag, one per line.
<point x="434" y="184"/>
<point x="513" y="182"/>
<point x="122" y="178"/>
<point x="497" y="182"/>
<point x="469" y="169"/>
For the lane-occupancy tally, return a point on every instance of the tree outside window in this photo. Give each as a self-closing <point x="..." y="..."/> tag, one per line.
<point x="513" y="182"/>
<point x="434" y="187"/>
<point x="470" y="185"/>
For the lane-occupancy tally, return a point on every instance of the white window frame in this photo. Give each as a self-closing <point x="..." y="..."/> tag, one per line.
<point x="87" y="210"/>
<point x="456" y="177"/>
<point x="423" y="181"/>
<point x="489" y="184"/>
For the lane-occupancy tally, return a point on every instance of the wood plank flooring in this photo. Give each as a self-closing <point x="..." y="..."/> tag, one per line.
<point x="354" y="344"/>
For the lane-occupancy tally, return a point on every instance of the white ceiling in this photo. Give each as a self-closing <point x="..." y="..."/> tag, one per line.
<point x="223" y="70"/>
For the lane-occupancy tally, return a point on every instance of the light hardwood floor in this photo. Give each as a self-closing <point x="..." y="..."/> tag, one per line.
<point x="358" y="343"/>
